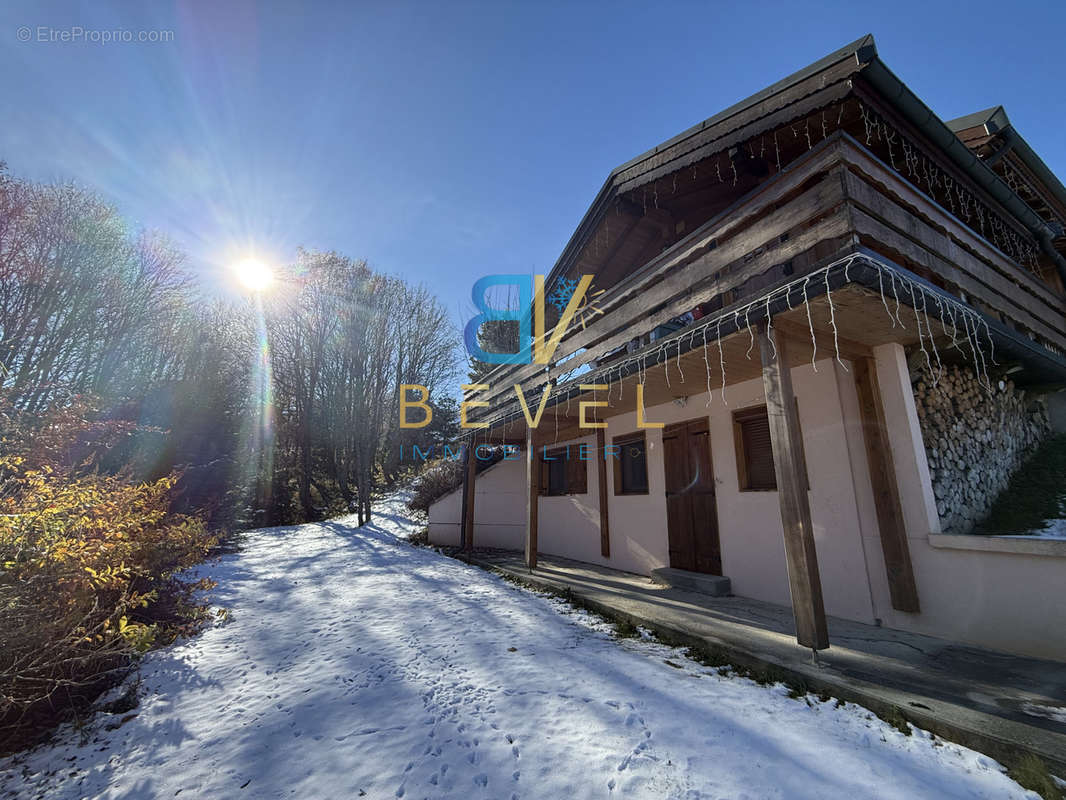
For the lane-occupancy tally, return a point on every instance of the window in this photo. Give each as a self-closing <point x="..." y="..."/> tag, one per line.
<point x="630" y="464"/>
<point x="564" y="471"/>
<point x="755" y="454"/>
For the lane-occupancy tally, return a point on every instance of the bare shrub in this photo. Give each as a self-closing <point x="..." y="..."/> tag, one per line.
<point x="438" y="479"/>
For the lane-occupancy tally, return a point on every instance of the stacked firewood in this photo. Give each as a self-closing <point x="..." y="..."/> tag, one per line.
<point x="974" y="439"/>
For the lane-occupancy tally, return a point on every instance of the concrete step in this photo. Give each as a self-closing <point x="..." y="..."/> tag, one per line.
<point x="714" y="585"/>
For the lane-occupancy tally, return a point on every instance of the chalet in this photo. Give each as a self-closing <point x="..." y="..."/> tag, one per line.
<point x="848" y="320"/>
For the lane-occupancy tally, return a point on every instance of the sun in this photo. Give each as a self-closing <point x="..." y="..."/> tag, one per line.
<point x="253" y="274"/>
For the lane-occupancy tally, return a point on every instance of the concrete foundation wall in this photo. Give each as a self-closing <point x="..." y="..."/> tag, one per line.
<point x="499" y="509"/>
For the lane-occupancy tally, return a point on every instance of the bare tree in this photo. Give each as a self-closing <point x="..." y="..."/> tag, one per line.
<point x="87" y="306"/>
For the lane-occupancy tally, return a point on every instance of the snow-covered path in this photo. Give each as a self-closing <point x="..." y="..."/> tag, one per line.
<point x="355" y="665"/>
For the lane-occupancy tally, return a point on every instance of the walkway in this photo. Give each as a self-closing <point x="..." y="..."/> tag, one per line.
<point x="994" y="702"/>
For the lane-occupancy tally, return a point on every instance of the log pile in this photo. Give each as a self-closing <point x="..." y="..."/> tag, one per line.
<point x="974" y="440"/>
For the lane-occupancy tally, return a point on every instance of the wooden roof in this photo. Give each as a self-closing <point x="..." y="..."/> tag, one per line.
<point x="991" y="135"/>
<point x="636" y="234"/>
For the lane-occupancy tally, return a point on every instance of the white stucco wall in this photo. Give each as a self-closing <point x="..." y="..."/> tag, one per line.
<point x="750" y="530"/>
<point x="569" y="525"/>
<point x="499" y="509"/>
<point x="1006" y="601"/>
<point x="444" y="520"/>
<point x="749" y="522"/>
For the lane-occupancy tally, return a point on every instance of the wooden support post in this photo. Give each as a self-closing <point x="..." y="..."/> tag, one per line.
<point x="469" y="480"/>
<point x="901" y="584"/>
<point x="533" y="484"/>
<point x="804" y="581"/>
<point x="601" y="471"/>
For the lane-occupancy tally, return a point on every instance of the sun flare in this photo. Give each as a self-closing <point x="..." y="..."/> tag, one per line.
<point x="253" y="274"/>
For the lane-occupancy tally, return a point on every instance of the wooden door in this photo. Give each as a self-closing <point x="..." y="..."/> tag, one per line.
<point x="691" y="510"/>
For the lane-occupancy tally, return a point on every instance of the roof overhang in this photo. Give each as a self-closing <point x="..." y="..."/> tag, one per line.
<point x="827" y="80"/>
<point x="873" y="305"/>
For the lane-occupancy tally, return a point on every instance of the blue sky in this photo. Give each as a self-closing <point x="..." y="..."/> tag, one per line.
<point x="444" y="141"/>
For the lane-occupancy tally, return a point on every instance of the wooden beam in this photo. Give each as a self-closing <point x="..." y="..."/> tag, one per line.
<point x="827" y="346"/>
<point x="601" y="472"/>
<point x="469" y="479"/>
<point x="532" y="497"/>
<point x="465" y="497"/>
<point x="901" y="584"/>
<point x="804" y="581"/>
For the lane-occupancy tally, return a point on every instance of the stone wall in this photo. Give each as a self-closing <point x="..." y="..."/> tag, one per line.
<point x="974" y="440"/>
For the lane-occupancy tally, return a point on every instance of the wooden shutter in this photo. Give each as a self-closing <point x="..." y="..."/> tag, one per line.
<point x="759" y="453"/>
<point x="755" y="455"/>
<point x="576" y="472"/>
<point x="628" y="478"/>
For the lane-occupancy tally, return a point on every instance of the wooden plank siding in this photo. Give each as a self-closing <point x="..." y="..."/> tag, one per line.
<point x="861" y="160"/>
<point x="952" y="262"/>
<point x="837" y="194"/>
<point x="742" y="214"/>
<point x="713" y="254"/>
<point x="927" y="240"/>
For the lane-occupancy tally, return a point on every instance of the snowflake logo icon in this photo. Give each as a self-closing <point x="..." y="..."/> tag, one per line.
<point x="563" y="293"/>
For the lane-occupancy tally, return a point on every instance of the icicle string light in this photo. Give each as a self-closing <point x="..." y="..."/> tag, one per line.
<point x="810" y="322"/>
<point x="953" y="315"/>
<point x="769" y="326"/>
<point x="721" y="358"/>
<point x="943" y="189"/>
<point x="952" y="312"/>
<point x="751" y="333"/>
<point x="707" y="364"/>
<point x="832" y="317"/>
<point x="929" y="328"/>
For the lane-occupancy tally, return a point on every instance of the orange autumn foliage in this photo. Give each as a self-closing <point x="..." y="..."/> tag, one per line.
<point x="89" y="567"/>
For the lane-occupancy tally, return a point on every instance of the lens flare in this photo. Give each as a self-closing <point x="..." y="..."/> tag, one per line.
<point x="253" y="274"/>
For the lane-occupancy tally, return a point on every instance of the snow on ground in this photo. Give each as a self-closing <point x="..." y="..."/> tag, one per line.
<point x="1053" y="529"/>
<point x="356" y="665"/>
<point x="1057" y="713"/>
